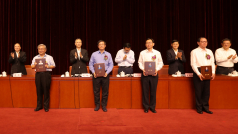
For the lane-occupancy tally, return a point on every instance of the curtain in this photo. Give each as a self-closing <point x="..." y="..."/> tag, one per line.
<point x="57" y="23"/>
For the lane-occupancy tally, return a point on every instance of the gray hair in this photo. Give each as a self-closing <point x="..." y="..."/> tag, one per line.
<point x="41" y="45"/>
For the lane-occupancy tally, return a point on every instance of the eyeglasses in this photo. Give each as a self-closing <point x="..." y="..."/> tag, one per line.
<point x="203" y="41"/>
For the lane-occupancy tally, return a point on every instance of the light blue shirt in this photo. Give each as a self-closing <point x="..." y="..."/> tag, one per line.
<point x="97" y="57"/>
<point x="49" y="59"/>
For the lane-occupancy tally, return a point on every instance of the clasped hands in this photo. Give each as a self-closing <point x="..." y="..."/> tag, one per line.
<point x="231" y="56"/>
<point x="179" y="55"/>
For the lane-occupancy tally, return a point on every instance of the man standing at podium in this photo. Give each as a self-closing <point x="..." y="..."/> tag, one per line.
<point x="78" y="58"/>
<point x="149" y="82"/>
<point x="125" y="59"/>
<point x="225" y="58"/>
<point x="18" y="59"/>
<point x="105" y="57"/>
<point x="202" y="56"/>
<point x="43" y="79"/>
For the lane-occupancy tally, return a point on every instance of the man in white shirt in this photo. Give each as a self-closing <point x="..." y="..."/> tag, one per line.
<point x="225" y="58"/>
<point x="149" y="81"/>
<point x="125" y="59"/>
<point x="202" y="56"/>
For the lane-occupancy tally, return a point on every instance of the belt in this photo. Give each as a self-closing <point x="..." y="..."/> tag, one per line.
<point x="226" y="67"/>
<point x="125" y="66"/>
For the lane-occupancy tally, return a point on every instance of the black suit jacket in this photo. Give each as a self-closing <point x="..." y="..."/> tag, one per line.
<point x="18" y="64"/>
<point x="175" y="65"/>
<point x="76" y="63"/>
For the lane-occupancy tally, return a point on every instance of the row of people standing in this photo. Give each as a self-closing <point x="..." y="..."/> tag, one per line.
<point x="125" y="59"/>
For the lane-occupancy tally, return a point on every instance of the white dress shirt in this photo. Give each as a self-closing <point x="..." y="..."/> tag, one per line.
<point x="221" y="57"/>
<point x="199" y="58"/>
<point x="78" y="51"/>
<point x="146" y="55"/>
<point x="128" y="61"/>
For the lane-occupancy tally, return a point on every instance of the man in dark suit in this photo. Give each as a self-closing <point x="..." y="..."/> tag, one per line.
<point x="18" y="59"/>
<point x="78" y="58"/>
<point x="175" y="58"/>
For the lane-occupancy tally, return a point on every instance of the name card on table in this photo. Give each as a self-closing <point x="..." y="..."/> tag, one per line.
<point x="137" y="74"/>
<point x="17" y="75"/>
<point x="188" y="74"/>
<point x="85" y="75"/>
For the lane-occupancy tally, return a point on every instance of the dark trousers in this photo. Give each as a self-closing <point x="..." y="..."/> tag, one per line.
<point x="97" y="83"/>
<point x="224" y="70"/>
<point x="42" y="81"/>
<point x="202" y="93"/>
<point x="127" y="70"/>
<point x="149" y="87"/>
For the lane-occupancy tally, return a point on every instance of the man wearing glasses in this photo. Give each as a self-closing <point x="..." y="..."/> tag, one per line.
<point x="202" y="56"/>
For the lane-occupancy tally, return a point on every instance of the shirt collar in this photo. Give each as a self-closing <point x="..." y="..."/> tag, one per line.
<point x="39" y="55"/>
<point x="102" y="53"/>
<point x="200" y="49"/>
<point x="225" y="50"/>
<point x="175" y="50"/>
<point x="150" y="51"/>
<point x="78" y="50"/>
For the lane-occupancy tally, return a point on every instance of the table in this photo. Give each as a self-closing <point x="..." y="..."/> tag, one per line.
<point x="126" y="92"/>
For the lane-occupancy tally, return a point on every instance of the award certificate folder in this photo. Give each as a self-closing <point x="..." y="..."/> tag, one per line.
<point x="149" y="67"/>
<point x="206" y="71"/>
<point x="40" y="66"/>
<point x="99" y="69"/>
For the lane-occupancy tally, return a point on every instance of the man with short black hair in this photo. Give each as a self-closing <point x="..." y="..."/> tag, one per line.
<point x="78" y="58"/>
<point x="202" y="56"/>
<point x="101" y="56"/>
<point x="175" y="58"/>
<point x="225" y="58"/>
<point x="125" y="59"/>
<point x="149" y="81"/>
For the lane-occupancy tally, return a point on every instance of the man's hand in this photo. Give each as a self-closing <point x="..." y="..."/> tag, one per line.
<point x="95" y="76"/>
<point x="233" y="57"/>
<point x="46" y="65"/>
<point x="179" y="55"/>
<point x="155" y="73"/>
<point x="229" y="57"/>
<point x="105" y="74"/>
<point x="33" y="66"/>
<point x="201" y="77"/>
<point x="12" y="54"/>
<point x="213" y="76"/>
<point x="124" y="58"/>
<point x="144" y="73"/>
<point x="81" y="56"/>
<point x="76" y="55"/>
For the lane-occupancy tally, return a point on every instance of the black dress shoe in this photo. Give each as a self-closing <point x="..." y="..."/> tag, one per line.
<point x="37" y="109"/>
<point x="200" y="112"/>
<point x="46" y="110"/>
<point x="96" y="108"/>
<point x="209" y="112"/>
<point x="104" y="109"/>
<point x="146" y="110"/>
<point x="153" y="110"/>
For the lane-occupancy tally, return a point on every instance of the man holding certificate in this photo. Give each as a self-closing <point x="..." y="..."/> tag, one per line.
<point x="150" y="62"/>
<point x="43" y="63"/>
<point x="202" y="62"/>
<point x="101" y="65"/>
